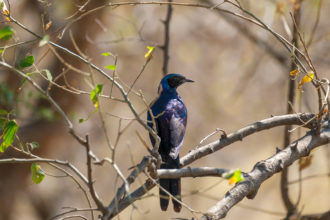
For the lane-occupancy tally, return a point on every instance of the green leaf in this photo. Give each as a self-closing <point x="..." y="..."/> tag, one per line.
<point x="81" y="120"/>
<point x="8" y="135"/>
<point x="111" y="67"/>
<point x="1" y="50"/>
<point x="95" y="93"/>
<point x="34" y="145"/>
<point x="234" y="177"/>
<point x="44" y="40"/>
<point x="98" y="88"/>
<point x="49" y="75"/>
<point x="37" y="173"/>
<point x="106" y="54"/>
<point x="150" y="51"/>
<point x="26" y="62"/>
<point x="6" y="33"/>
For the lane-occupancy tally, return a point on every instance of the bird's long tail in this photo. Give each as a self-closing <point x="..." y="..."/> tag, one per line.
<point x="172" y="186"/>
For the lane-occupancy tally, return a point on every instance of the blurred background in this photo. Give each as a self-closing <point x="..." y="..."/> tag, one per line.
<point x="241" y="75"/>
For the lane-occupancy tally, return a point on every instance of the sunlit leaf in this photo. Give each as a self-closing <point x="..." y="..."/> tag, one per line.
<point x="26" y="62"/>
<point x="44" y="40"/>
<point x="1" y="50"/>
<point x="294" y="72"/>
<point x="6" y="33"/>
<point x="95" y="93"/>
<point x="234" y="177"/>
<point x="309" y="77"/>
<point x="37" y="173"/>
<point x="111" y="67"/>
<point x="8" y="135"/>
<point x="150" y="51"/>
<point x="106" y="54"/>
<point x="49" y="75"/>
<point x="48" y="25"/>
<point x="34" y="145"/>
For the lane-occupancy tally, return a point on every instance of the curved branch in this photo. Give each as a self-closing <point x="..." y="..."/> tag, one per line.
<point x="265" y="169"/>
<point x="295" y="119"/>
<point x="291" y="119"/>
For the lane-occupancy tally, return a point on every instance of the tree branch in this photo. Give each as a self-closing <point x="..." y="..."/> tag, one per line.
<point x="166" y="45"/>
<point x="297" y="119"/>
<point x="293" y="119"/>
<point x="190" y="172"/>
<point x="265" y="169"/>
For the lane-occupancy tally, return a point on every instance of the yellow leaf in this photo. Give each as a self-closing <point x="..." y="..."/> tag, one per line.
<point x="232" y="180"/>
<point x="294" y="72"/>
<point x="150" y="51"/>
<point x="306" y="79"/>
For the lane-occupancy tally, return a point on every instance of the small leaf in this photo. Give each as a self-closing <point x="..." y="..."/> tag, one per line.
<point x="49" y="75"/>
<point x="234" y="177"/>
<point x="294" y="72"/>
<point x="8" y="135"/>
<point x="44" y="40"/>
<point x="81" y="120"/>
<point x="37" y="173"/>
<point x="26" y="62"/>
<point x="48" y="25"/>
<point x="34" y="145"/>
<point x="106" y="54"/>
<point x="95" y="93"/>
<point x="6" y="33"/>
<point x="1" y="50"/>
<point x="150" y="51"/>
<point x="98" y="88"/>
<point x="111" y="67"/>
<point x="309" y="77"/>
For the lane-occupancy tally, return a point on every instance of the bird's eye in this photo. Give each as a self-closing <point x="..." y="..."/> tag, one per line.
<point x="173" y="82"/>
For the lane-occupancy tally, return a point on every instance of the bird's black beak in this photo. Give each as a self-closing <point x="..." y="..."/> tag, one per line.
<point x="188" y="80"/>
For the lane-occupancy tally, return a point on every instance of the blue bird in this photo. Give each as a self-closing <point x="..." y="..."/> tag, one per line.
<point x="170" y="116"/>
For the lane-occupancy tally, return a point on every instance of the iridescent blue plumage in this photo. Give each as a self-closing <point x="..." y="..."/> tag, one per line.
<point x="171" y="118"/>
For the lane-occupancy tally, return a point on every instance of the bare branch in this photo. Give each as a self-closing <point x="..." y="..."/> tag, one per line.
<point x="190" y="172"/>
<point x="246" y="131"/>
<point x="265" y="169"/>
<point x="166" y="45"/>
<point x="275" y="121"/>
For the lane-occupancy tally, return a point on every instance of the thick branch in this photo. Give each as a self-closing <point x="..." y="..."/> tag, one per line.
<point x="292" y="119"/>
<point x="295" y="119"/>
<point x="267" y="168"/>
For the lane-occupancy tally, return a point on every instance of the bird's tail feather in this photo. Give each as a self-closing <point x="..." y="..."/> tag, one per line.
<point x="172" y="186"/>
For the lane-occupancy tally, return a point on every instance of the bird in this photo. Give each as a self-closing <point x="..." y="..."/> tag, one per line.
<point x="170" y="119"/>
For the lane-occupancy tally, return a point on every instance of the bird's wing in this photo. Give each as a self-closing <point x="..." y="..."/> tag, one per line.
<point x="177" y="130"/>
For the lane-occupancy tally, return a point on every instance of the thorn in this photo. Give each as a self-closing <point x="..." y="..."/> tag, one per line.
<point x="293" y="146"/>
<point x="278" y="150"/>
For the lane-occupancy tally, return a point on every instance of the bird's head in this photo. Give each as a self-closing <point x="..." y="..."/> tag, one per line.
<point x="172" y="81"/>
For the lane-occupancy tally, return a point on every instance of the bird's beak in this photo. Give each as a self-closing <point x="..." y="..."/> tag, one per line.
<point x="188" y="80"/>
